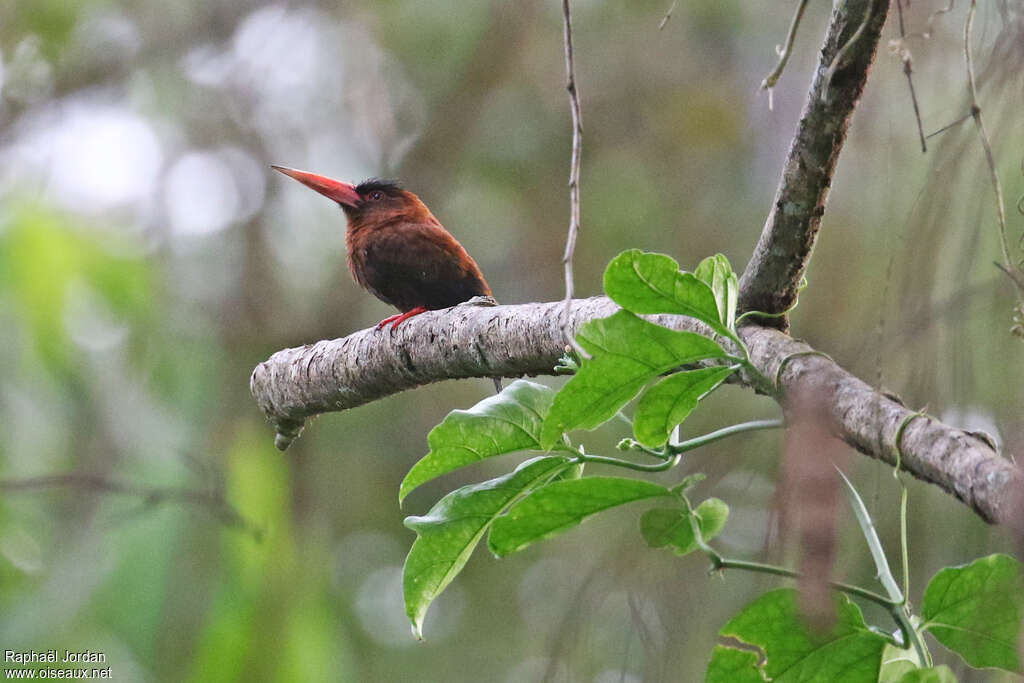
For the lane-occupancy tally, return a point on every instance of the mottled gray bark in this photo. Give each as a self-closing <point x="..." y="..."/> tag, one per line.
<point x="465" y="341"/>
<point x="773" y="275"/>
<point x="960" y="462"/>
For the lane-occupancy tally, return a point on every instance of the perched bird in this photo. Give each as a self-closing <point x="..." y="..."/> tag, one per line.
<point x="397" y="249"/>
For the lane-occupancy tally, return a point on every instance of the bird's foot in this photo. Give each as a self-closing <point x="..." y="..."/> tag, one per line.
<point x="399" y="318"/>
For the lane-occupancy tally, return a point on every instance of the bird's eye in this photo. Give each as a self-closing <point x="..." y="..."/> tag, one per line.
<point x="376" y="195"/>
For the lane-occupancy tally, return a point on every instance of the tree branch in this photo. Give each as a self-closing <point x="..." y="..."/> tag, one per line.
<point x="773" y="275"/>
<point x="464" y="341"/>
<point x="474" y="341"/>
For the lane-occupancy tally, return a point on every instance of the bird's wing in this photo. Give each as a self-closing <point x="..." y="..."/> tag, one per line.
<point x="416" y="264"/>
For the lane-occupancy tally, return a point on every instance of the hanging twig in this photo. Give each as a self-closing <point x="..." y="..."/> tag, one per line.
<point x="574" y="175"/>
<point x="668" y="15"/>
<point x="972" y="90"/>
<point x="904" y="53"/>
<point x="771" y="79"/>
<point x="948" y="126"/>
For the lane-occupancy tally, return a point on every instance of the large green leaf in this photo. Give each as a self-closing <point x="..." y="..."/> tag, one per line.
<point x="561" y="505"/>
<point x="508" y="422"/>
<point x="670" y="401"/>
<point x="851" y="653"/>
<point x="975" y="610"/>
<point x="627" y="353"/>
<point x="648" y="283"/>
<point x="671" y="526"/>
<point x="447" y="535"/>
<point x="716" y="272"/>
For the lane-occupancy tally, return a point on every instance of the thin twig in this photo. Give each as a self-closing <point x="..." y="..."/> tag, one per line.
<point x="908" y="69"/>
<point x="151" y="496"/>
<point x="574" y="176"/>
<point x="904" y="53"/>
<point x="841" y="55"/>
<point x="972" y="90"/>
<point x="948" y="126"/>
<point x="668" y="15"/>
<point x="771" y="79"/>
<point x="1012" y="274"/>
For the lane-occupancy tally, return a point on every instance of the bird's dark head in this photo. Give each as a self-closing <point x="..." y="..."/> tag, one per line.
<point x="373" y="201"/>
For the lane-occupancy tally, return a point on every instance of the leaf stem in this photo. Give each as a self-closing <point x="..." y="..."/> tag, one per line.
<point x="719" y="562"/>
<point x="618" y="462"/>
<point x="703" y="440"/>
<point x="910" y="634"/>
<point x="719" y="434"/>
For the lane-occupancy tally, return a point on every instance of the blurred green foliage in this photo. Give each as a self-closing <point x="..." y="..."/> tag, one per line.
<point x="42" y="256"/>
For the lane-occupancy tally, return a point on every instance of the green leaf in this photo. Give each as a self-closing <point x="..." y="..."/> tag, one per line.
<point x="729" y="665"/>
<point x="648" y="283"/>
<point x="937" y="674"/>
<point x="851" y="653"/>
<point x="671" y="526"/>
<point x="867" y="528"/>
<point x="561" y="505"/>
<point x="508" y="422"/>
<point x="627" y="353"/>
<point x="670" y="401"/>
<point x="975" y="610"/>
<point x="716" y="272"/>
<point x="451" y="530"/>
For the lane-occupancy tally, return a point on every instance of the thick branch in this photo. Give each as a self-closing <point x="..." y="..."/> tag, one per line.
<point x="465" y="341"/>
<point x="472" y="341"/>
<point x="773" y="275"/>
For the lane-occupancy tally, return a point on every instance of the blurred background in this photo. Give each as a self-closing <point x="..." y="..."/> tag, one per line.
<point x="149" y="258"/>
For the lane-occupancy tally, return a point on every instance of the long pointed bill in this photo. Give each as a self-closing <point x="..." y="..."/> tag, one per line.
<point x="343" y="193"/>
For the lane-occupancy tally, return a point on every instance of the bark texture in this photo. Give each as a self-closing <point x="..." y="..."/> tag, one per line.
<point x="772" y="278"/>
<point x="464" y="341"/>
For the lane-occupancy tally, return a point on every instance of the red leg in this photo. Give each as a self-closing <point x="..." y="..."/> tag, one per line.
<point x="398" y="319"/>
<point x="389" y="319"/>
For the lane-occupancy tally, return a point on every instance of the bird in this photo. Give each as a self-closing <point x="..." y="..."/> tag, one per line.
<point x="397" y="249"/>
